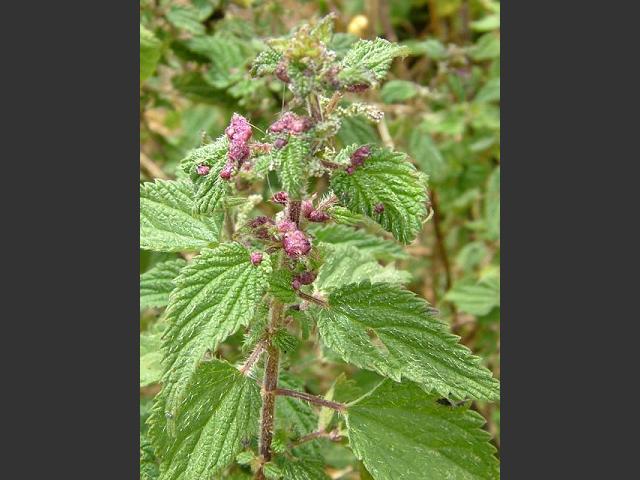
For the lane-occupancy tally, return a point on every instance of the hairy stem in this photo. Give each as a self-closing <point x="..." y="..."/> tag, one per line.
<point x="253" y="358"/>
<point x="312" y="299"/>
<point x="294" y="211"/>
<point x="269" y="387"/>
<point x="333" y="435"/>
<point x="340" y="407"/>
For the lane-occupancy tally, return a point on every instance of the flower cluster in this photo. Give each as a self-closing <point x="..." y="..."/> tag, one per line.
<point x="238" y="132"/>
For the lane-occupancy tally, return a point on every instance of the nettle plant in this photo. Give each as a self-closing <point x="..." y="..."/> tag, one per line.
<point x="303" y="274"/>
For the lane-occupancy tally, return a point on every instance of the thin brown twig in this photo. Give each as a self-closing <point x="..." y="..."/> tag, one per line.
<point x="340" y="407"/>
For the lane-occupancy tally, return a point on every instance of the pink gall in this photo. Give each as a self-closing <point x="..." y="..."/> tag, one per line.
<point x="296" y="244"/>
<point x="256" y="258"/>
<point x="203" y="169"/>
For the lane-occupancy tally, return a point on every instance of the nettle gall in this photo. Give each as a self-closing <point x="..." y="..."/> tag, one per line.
<point x="256" y="258"/>
<point x="280" y="197"/>
<point x="203" y="169"/>
<point x="296" y="244"/>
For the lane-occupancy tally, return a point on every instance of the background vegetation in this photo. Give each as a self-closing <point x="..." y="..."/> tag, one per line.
<point x="441" y="105"/>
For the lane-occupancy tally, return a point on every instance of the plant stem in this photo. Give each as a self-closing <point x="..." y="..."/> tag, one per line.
<point x="384" y="134"/>
<point x="440" y="238"/>
<point x="333" y="435"/>
<point x="269" y="387"/>
<point x="294" y="211"/>
<point x="312" y="299"/>
<point x="340" y="407"/>
<point x="253" y="358"/>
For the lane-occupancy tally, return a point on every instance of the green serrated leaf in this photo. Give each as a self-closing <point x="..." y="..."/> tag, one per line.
<point x="389" y="179"/>
<point x="368" y="61"/>
<point x="245" y="458"/>
<point x="209" y="190"/>
<point x="347" y="264"/>
<point x="266" y="62"/>
<point x="215" y="295"/>
<point x="344" y="216"/>
<point x="290" y="162"/>
<point x="391" y="331"/>
<point x="341" y="43"/>
<point x="397" y="91"/>
<point x="186" y="18"/>
<point x="166" y="220"/>
<point x="486" y="48"/>
<point x="150" y="52"/>
<point x="229" y="56"/>
<point x="357" y="130"/>
<point x="272" y="471"/>
<point x="426" y="154"/>
<point x="219" y="414"/>
<point x="326" y="414"/>
<point x="285" y="341"/>
<point x="400" y="432"/>
<point x="280" y="286"/>
<point x="372" y="245"/>
<point x="304" y="469"/>
<point x="490" y="92"/>
<point x="476" y="298"/>
<point x="149" y="469"/>
<point x="295" y="417"/>
<point x="151" y="355"/>
<point x="157" y="282"/>
<point x="432" y="48"/>
<point x="487" y="23"/>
